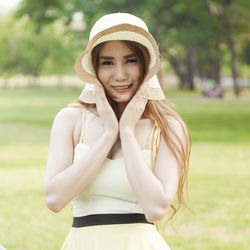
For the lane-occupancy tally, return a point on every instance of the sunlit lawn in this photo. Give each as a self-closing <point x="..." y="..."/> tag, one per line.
<point x="219" y="187"/>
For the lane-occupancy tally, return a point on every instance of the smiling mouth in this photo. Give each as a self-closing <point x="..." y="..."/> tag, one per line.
<point x="121" y="87"/>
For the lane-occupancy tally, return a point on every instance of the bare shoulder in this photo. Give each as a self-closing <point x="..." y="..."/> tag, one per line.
<point x="178" y="131"/>
<point x="67" y="120"/>
<point x="69" y="114"/>
<point x="62" y="140"/>
<point x="176" y="124"/>
<point x="176" y="135"/>
<point x="67" y="117"/>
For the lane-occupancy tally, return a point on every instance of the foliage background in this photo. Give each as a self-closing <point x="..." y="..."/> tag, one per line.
<point x="202" y="39"/>
<point x="198" y="39"/>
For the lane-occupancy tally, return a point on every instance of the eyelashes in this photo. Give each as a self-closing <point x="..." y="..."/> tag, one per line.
<point x="107" y="63"/>
<point x="132" y="60"/>
<point x="111" y="62"/>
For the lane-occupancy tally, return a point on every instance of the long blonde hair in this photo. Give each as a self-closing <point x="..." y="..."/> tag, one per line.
<point x="163" y="115"/>
<point x="179" y="147"/>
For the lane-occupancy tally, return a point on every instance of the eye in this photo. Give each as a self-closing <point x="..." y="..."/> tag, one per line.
<point x="131" y="60"/>
<point x="106" y="63"/>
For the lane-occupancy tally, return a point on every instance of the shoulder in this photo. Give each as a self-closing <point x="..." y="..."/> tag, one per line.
<point x="68" y="116"/>
<point x="177" y="124"/>
<point x="69" y="113"/>
<point x="177" y="132"/>
<point x="66" y="123"/>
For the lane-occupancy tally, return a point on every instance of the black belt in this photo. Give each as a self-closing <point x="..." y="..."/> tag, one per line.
<point x="106" y="219"/>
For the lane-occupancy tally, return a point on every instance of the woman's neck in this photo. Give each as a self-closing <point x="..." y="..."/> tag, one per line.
<point x="120" y="108"/>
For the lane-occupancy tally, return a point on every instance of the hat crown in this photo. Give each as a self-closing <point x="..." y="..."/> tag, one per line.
<point x="118" y="26"/>
<point x="110" y="20"/>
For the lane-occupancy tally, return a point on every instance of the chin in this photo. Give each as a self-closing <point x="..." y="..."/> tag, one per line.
<point x="122" y="100"/>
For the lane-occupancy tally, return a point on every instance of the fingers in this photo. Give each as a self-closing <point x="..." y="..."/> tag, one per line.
<point x="105" y="111"/>
<point x="142" y="94"/>
<point x="101" y="99"/>
<point x="134" y="109"/>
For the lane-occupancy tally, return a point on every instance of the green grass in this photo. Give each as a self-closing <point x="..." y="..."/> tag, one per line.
<point x="219" y="187"/>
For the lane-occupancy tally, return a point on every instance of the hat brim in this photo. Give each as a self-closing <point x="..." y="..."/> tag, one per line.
<point x="84" y="67"/>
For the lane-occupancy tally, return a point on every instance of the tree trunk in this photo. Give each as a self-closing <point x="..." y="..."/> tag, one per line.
<point x="216" y="65"/>
<point x="177" y="68"/>
<point x="230" y="44"/>
<point x="223" y="17"/>
<point x="190" y="66"/>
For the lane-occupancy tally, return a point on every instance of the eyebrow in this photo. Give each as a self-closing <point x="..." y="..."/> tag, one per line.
<point x="129" y="56"/>
<point x="111" y="58"/>
<point x="106" y="57"/>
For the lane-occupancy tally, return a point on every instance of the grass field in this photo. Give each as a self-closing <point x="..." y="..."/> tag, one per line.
<point x="219" y="186"/>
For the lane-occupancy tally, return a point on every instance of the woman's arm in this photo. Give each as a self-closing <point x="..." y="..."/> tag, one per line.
<point x="156" y="190"/>
<point x="64" y="180"/>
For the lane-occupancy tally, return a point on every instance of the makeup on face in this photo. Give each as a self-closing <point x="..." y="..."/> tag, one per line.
<point x="118" y="71"/>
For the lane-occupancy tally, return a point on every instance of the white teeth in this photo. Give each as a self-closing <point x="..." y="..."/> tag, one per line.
<point x="120" y="87"/>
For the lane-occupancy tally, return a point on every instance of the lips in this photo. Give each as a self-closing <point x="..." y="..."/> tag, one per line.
<point x="121" y="88"/>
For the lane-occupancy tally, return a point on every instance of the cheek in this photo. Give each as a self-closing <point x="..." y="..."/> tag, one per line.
<point x="102" y="76"/>
<point x="135" y="72"/>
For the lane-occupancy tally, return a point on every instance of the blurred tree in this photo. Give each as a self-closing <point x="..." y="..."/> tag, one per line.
<point x="186" y="28"/>
<point x="235" y="22"/>
<point x="62" y="52"/>
<point x="32" y="51"/>
<point x="23" y="51"/>
<point x="246" y="53"/>
<point x="8" y="64"/>
<point x="191" y="36"/>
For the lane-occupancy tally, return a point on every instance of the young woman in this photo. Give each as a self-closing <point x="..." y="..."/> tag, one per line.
<point x="119" y="153"/>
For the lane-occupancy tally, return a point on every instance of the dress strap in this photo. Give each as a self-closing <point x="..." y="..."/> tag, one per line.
<point x="154" y="141"/>
<point x="82" y="127"/>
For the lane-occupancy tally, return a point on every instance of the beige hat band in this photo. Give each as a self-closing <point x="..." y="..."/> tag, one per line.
<point x="110" y="20"/>
<point x="120" y="35"/>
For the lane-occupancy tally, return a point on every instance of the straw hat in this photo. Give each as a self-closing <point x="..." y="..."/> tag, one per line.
<point x="118" y="26"/>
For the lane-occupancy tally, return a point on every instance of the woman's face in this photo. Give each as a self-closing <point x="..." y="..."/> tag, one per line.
<point x="118" y="71"/>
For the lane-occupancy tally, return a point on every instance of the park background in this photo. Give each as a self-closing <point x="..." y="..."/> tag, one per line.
<point x="205" y="45"/>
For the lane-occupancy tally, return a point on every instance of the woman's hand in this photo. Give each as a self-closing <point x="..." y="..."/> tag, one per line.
<point x="134" y="110"/>
<point x="106" y="112"/>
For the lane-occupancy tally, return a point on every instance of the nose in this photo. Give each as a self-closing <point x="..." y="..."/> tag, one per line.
<point x="120" y="73"/>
